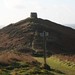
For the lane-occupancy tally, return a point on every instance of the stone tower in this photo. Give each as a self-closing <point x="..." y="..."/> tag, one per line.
<point x="33" y="15"/>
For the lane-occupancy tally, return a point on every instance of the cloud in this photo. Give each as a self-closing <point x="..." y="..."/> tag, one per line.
<point x="12" y="3"/>
<point x="21" y="4"/>
<point x="54" y="10"/>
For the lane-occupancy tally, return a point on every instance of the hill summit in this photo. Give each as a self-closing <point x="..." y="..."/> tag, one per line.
<point x="27" y="34"/>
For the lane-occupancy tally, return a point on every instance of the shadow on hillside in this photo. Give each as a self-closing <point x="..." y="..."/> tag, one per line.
<point x="57" y="71"/>
<point x="48" y="68"/>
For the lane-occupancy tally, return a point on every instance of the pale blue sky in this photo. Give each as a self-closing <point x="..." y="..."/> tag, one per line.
<point x="59" y="11"/>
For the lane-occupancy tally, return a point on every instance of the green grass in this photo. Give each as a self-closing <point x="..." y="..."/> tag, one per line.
<point x="66" y="67"/>
<point x="22" y="68"/>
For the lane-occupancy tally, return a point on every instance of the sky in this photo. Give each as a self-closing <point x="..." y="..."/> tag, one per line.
<point x="59" y="11"/>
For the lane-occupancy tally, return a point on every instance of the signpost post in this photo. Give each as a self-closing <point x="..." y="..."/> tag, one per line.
<point x="44" y="35"/>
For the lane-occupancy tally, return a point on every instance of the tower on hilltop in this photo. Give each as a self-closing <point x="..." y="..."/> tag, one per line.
<point x="33" y="15"/>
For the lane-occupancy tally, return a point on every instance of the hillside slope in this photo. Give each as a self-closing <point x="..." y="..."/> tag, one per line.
<point x="26" y="34"/>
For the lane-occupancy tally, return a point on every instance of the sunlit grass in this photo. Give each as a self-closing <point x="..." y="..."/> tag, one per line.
<point x="23" y="68"/>
<point x="67" y="67"/>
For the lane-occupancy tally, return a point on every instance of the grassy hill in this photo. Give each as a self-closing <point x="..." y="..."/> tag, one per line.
<point x="20" y="42"/>
<point x="17" y="63"/>
<point x="26" y="34"/>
